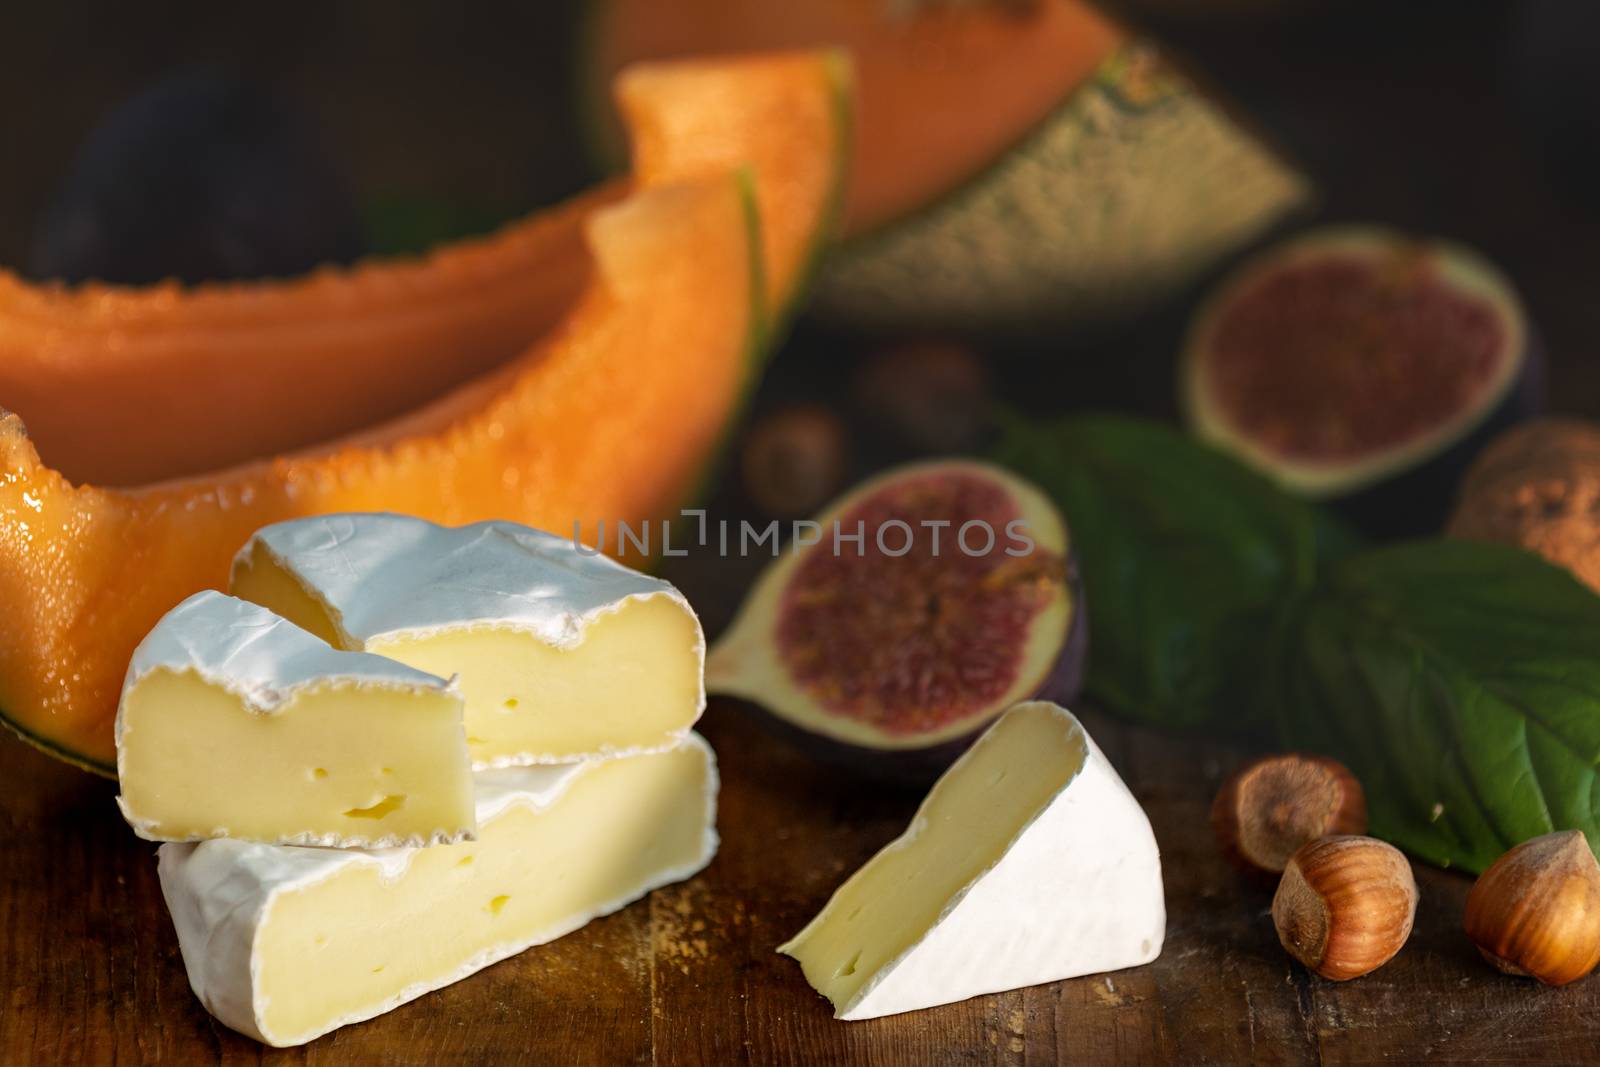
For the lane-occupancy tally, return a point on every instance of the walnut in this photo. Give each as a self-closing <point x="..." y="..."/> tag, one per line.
<point x="1538" y="486"/>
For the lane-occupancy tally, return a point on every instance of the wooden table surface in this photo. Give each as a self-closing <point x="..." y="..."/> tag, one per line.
<point x="90" y="971"/>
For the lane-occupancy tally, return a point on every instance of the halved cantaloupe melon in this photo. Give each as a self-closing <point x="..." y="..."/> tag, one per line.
<point x="1013" y="164"/>
<point x="942" y="90"/>
<point x="127" y="385"/>
<point x="610" y="416"/>
<point x="679" y="116"/>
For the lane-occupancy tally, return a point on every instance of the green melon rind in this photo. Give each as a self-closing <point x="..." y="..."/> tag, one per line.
<point x="1128" y="191"/>
<point x="57" y="749"/>
<point x="755" y="354"/>
<point x="841" y="74"/>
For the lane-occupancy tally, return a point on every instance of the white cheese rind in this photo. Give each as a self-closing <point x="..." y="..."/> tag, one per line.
<point x="219" y="893"/>
<point x="1078" y="891"/>
<point x="265" y="661"/>
<point x="262" y="658"/>
<point x="383" y="577"/>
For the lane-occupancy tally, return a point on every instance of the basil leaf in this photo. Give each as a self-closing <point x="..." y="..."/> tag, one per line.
<point x="1461" y="683"/>
<point x="1189" y="559"/>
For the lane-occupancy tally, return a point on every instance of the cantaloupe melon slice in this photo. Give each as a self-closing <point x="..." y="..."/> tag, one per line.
<point x="612" y="415"/>
<point x="1016" y="164"/>
<point x="127" y="385"/>
<point x="679" y="116"/>
<point x="944" y="88"/>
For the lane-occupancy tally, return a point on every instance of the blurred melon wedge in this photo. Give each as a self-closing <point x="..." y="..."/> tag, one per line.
<point x="613" y="414"/>
<point x="126" y="385"/>
<point x="1017" y="163"/>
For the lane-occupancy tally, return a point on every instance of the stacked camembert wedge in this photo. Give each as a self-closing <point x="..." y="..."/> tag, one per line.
<point x="404" y="752"/>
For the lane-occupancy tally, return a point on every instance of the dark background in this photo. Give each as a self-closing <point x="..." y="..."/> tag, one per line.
<point x="1472" y="120"/>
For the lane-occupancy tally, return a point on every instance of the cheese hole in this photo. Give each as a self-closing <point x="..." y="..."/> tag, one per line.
<point x="850" y="968"/>
<point x="853" y="914"/>
<point x="511" y="704"/>
<point x="497" y="903"/>
<point x="377" y="810"/>
<point x="997" y="779"/>
<point x="386" y="770"/>
<point x="476" y="741"/>
<point x="464" y="861"/>
<point x="319" y="773"/>
<point x="377" y="970"/>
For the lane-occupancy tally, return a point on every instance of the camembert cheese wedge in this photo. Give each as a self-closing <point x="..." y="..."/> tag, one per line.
<point x="562" y="654"/>
<point x="1028" y="862"/>
<point x="285" y="944"/>
<point x="236" y="723"/>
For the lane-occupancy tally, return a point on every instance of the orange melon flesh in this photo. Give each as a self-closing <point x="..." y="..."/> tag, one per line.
<point x="679" y="116"/>
<point x="610" y="416"/>
<point x="943" y="88"/>
<point x="125" y="386"/>
<point x="121" y="386"/>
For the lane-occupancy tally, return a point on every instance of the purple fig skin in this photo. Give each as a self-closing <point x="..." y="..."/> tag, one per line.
<point x="917" y="767"/>
<point x="1417" y="502"/>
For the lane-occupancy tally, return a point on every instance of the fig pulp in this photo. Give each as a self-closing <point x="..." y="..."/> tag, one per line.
<point x="1360" y="364"/>
<point x="908" y="616"/>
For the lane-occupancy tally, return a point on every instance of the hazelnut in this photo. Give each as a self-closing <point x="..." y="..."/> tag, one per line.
<point x="1536" y="910"/>
<point x="795" y="460"/>
<point x="1272" y="806"/>
<point x="933" y="396"/>
<point x="1345" y="905"/>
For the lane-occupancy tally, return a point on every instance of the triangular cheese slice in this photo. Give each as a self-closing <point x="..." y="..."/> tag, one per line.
<point x="236" y="723"/>
<point x="562" y="653"/>
<point x="1028" y="862"/>
<point x="285" y="944"/>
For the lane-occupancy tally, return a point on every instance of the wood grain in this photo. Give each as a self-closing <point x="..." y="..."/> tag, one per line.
<point x="90" y="969"/>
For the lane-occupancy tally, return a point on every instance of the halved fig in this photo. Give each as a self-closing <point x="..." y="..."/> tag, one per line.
<point x="908" y="616"/>
<point x="1356" y="358"/>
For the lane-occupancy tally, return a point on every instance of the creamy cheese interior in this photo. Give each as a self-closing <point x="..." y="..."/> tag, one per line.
<point x="362" y="764"/>
<point x="263" y="582"/>
<point x="353" y="946"/>
<point x="966" y="824"/>
<point x="632" y="684"/>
